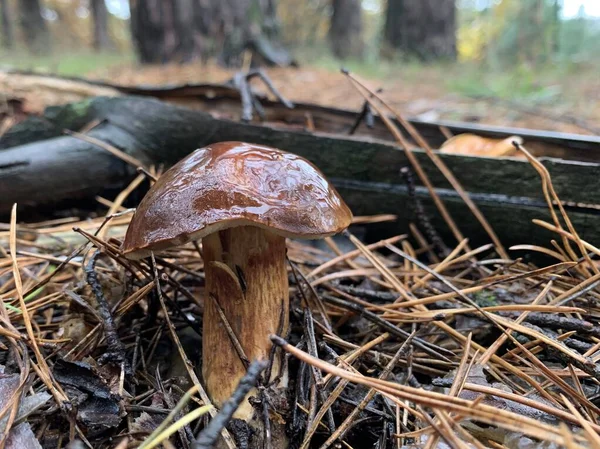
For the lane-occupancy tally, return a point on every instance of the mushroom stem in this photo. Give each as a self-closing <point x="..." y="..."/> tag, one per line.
<point x="246" y="278"/>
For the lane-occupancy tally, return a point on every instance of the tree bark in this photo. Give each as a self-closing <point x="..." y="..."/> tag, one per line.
<point x="345" y="31"/>
<point x="184" y="30"/>
<point x="100" y="23"/>
<point x="35" y="30"/>
<point x="425" y="29"/>
<point x="8" y="40"/>
<point x="42" y="172"/>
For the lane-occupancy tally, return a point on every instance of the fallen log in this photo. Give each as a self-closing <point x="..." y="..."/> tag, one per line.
<point x="366" y="171"/>
<point x="34" y="92"/>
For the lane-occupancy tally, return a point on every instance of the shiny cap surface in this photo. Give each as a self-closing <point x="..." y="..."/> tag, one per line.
<point x="231" y="184"/>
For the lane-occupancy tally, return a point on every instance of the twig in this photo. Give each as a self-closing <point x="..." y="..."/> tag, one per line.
<point x="267" y="81"/>
<point x="422" y="217"/>
<point x="309" y="332"/>
<point x="135" y="163"/>
<point x="116" y="350"/>
<point x="343" y="428"/>
<point x="234" y="340"/>
<point x="424" y="345"/>
<point x="365" y="114"/>
<point x="208" y="437"/>
<point x="439" y="163"/>
<point x="186" y="361"/>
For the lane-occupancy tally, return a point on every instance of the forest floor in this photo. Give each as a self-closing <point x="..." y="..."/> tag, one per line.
<point x="479" y="349"/>
<point x="557" y="98"/>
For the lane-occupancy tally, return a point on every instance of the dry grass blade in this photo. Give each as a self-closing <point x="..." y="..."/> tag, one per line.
<point x="539" y="249"/>
<point x="352" y="254"/>
<point x="439" y="163"/>
<point x="396" y="392"/>
<point x="135" y="163"/>
<point x="339" y="433"/>
<point x="370" y="219"/>
<point x="414" y="162"/>
<point x="485" y="357"/>
<point x="188" y="364"/>
<point x="172" y="414"/>
<point x="44" y="369"/>
<point x="593" y="435"/>
<point x="554" y="199"/>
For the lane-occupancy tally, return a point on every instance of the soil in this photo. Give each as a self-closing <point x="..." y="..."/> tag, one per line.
<point x="426" y="92"/>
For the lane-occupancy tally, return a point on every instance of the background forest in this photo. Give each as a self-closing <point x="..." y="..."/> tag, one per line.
<point x="541" y="52"/>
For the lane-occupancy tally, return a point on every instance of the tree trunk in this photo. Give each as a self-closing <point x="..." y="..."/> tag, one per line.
<point x="7" y="25"/>
<point x="100" y="24"/>
<point x="35" y="30"/>
<point x="425" y="29"/>
<point x="183" y="30"/>
<point x="345" y="31"/>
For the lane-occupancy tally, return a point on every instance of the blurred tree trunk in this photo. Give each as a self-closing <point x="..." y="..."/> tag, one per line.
<point x="345" y="31"/>
<point x="555" y="41"/>
<point x="33" y="25"/>
<point x="183" y="30"/>
<point x="422" y="28"/>
<point x="8" y="40"/>
<point x="100" y="24"/>
<point x="531" y="36"/>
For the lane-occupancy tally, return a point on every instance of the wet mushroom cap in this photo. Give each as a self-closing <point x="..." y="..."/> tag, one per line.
<point x="232" y="184"/>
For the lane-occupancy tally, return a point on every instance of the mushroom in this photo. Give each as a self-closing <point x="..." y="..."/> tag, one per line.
<point x="243" y="201"/>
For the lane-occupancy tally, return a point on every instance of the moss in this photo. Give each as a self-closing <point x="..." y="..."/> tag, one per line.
<point x="73" y="115"/>
<point x="485" y="298"/>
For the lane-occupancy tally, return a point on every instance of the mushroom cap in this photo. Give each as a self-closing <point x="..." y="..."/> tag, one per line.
<point x="231" y="184"/>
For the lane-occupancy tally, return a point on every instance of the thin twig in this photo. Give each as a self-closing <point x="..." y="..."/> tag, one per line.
<point x="208" y="437"/>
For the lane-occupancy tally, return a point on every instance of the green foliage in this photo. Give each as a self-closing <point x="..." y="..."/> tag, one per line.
<point x="524" y="32"/>
<point x="521" y="81"/>
<point x="485" y="298"/>
<point x="580" y="39"/>
<point x="68" y="63"/>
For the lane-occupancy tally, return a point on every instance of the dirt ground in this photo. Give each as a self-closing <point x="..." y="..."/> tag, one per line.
<point x="566" y="104"/>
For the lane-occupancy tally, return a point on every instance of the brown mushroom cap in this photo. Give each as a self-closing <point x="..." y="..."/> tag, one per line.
<point x="231" y="184"/>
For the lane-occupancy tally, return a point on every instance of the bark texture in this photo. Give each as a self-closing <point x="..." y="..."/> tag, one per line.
<point x="8" y="40"/>
<point x="33" y="25"/>
<point x="425" y="29"/>
<point x="345" y="31"/>
<point x="100" y="23"/>
<point x="39" y="166"/>
<point x="183" y="30"/>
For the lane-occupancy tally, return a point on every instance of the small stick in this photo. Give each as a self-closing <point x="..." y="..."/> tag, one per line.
<point x="370" y="394"/>
<point x="310" y="123"/>
<point x="420" y="213"/>
<point x="208" y="437"/>
<point x="116" y="349"/>
<point x="424" y="345"/>
<point x="148" y="175"/>
<point x="311" y="343"/>
<point x="234" y="340"/>
<point x="241" y="83"/>
<point x="366" y="114"/>
<point x="265" y="79"/>
<point x="105" y="146"/>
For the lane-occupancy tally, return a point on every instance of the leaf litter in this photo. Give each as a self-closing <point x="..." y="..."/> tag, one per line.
<point x="404" y="343"/>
